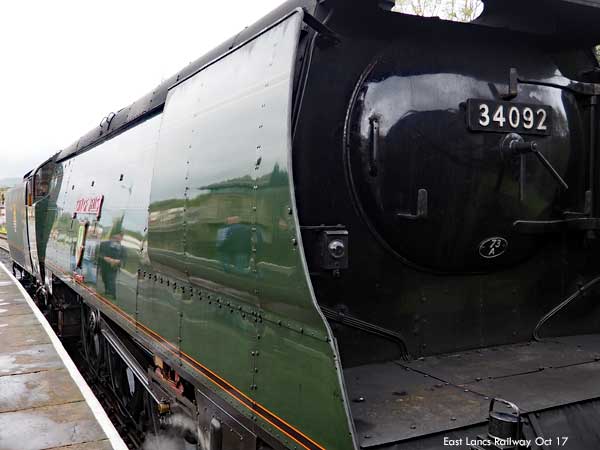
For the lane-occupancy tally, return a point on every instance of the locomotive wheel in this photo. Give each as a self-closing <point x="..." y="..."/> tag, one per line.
<point x="92" y="340"/>
<point x="128" y="389"/>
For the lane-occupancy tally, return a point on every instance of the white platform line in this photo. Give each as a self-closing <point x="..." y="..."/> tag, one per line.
<point x="99" y="413"/>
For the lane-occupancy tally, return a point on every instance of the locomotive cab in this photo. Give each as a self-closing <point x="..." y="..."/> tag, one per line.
<point x="23" y="204"/>
<point x="16" y="220"/>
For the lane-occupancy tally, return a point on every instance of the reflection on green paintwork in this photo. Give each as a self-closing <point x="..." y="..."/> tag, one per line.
<point x="197" y="237"/>
<point x="221" y="223"/>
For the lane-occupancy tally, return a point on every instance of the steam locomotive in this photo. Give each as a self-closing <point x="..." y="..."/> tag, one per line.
<point x="343" y="228"/>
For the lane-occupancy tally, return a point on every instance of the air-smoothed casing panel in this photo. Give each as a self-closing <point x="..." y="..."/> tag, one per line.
<point x="223" y="225"/>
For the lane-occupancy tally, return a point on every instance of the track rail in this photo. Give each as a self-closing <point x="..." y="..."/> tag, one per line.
<point x="3" y="243"/>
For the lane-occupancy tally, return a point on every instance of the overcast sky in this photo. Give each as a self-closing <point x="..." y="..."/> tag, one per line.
<point x="65" y="64"/>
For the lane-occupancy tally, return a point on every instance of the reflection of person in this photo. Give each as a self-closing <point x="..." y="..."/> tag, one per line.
<point x="234" y="244"/>
<point x="111" y="259"/>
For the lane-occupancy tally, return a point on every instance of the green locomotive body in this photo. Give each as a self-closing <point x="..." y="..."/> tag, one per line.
<point x="196" y="253"/>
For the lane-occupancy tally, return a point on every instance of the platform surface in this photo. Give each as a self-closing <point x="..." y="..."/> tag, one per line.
<point x="44" y="402"/>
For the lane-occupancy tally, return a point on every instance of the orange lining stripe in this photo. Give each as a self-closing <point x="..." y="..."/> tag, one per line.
<point x="176" y="352"/>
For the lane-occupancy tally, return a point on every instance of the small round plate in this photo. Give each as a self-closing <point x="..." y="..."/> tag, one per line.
<point x="493" y="247"/>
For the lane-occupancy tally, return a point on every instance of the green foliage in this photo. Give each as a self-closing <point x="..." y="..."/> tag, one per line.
<point x="463" y="10"/>
<point x="598" y="53"/>
<point x="455" y="10"/>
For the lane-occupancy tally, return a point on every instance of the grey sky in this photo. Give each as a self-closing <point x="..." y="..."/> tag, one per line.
<point x="66" y="64"/>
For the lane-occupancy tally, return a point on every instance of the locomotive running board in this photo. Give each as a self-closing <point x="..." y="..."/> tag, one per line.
<point x="137" y="370"/>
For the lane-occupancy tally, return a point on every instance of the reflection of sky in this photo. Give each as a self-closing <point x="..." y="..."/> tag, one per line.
<point x="130" y="154"/>
<point x="398" y="96"/>
<point x="421" y="114"/>
<point x="222" y="128"/>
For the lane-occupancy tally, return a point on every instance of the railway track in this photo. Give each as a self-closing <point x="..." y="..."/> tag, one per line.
<point x="108" y="399"/>
<point x="4" y="252"/>
<point x="3" y="243"/>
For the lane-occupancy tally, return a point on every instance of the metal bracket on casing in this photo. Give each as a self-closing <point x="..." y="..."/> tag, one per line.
<point x="513" y="145"/>
<point x="556" y="226"/>
<point x="513" y="85"/>
<point x="558" y="82"/>
<point x="374" y="150"/>
<point x="576" y="87"/>
<point x="422" y="207"/>
<point x="324" y="31"/>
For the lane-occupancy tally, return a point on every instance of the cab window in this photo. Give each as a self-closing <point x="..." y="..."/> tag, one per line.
<point x="42" y="182"/>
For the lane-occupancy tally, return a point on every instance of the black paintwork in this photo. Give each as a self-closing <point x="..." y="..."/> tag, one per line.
<point x="426" y="278"/>
<point x="398" y="400"/>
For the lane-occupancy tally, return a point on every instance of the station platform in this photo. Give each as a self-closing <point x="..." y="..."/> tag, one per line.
<point x="44" y="401"/>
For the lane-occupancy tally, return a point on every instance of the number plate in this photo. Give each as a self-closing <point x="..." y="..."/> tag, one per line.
<point x="509" y="117"/>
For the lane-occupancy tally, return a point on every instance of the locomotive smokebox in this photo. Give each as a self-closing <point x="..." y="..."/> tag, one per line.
<point x="425" y="164"/>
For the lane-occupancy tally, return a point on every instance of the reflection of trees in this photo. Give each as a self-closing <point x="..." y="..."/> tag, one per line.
<point x="220" y="210"/>
<point x="233" y="200"/>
